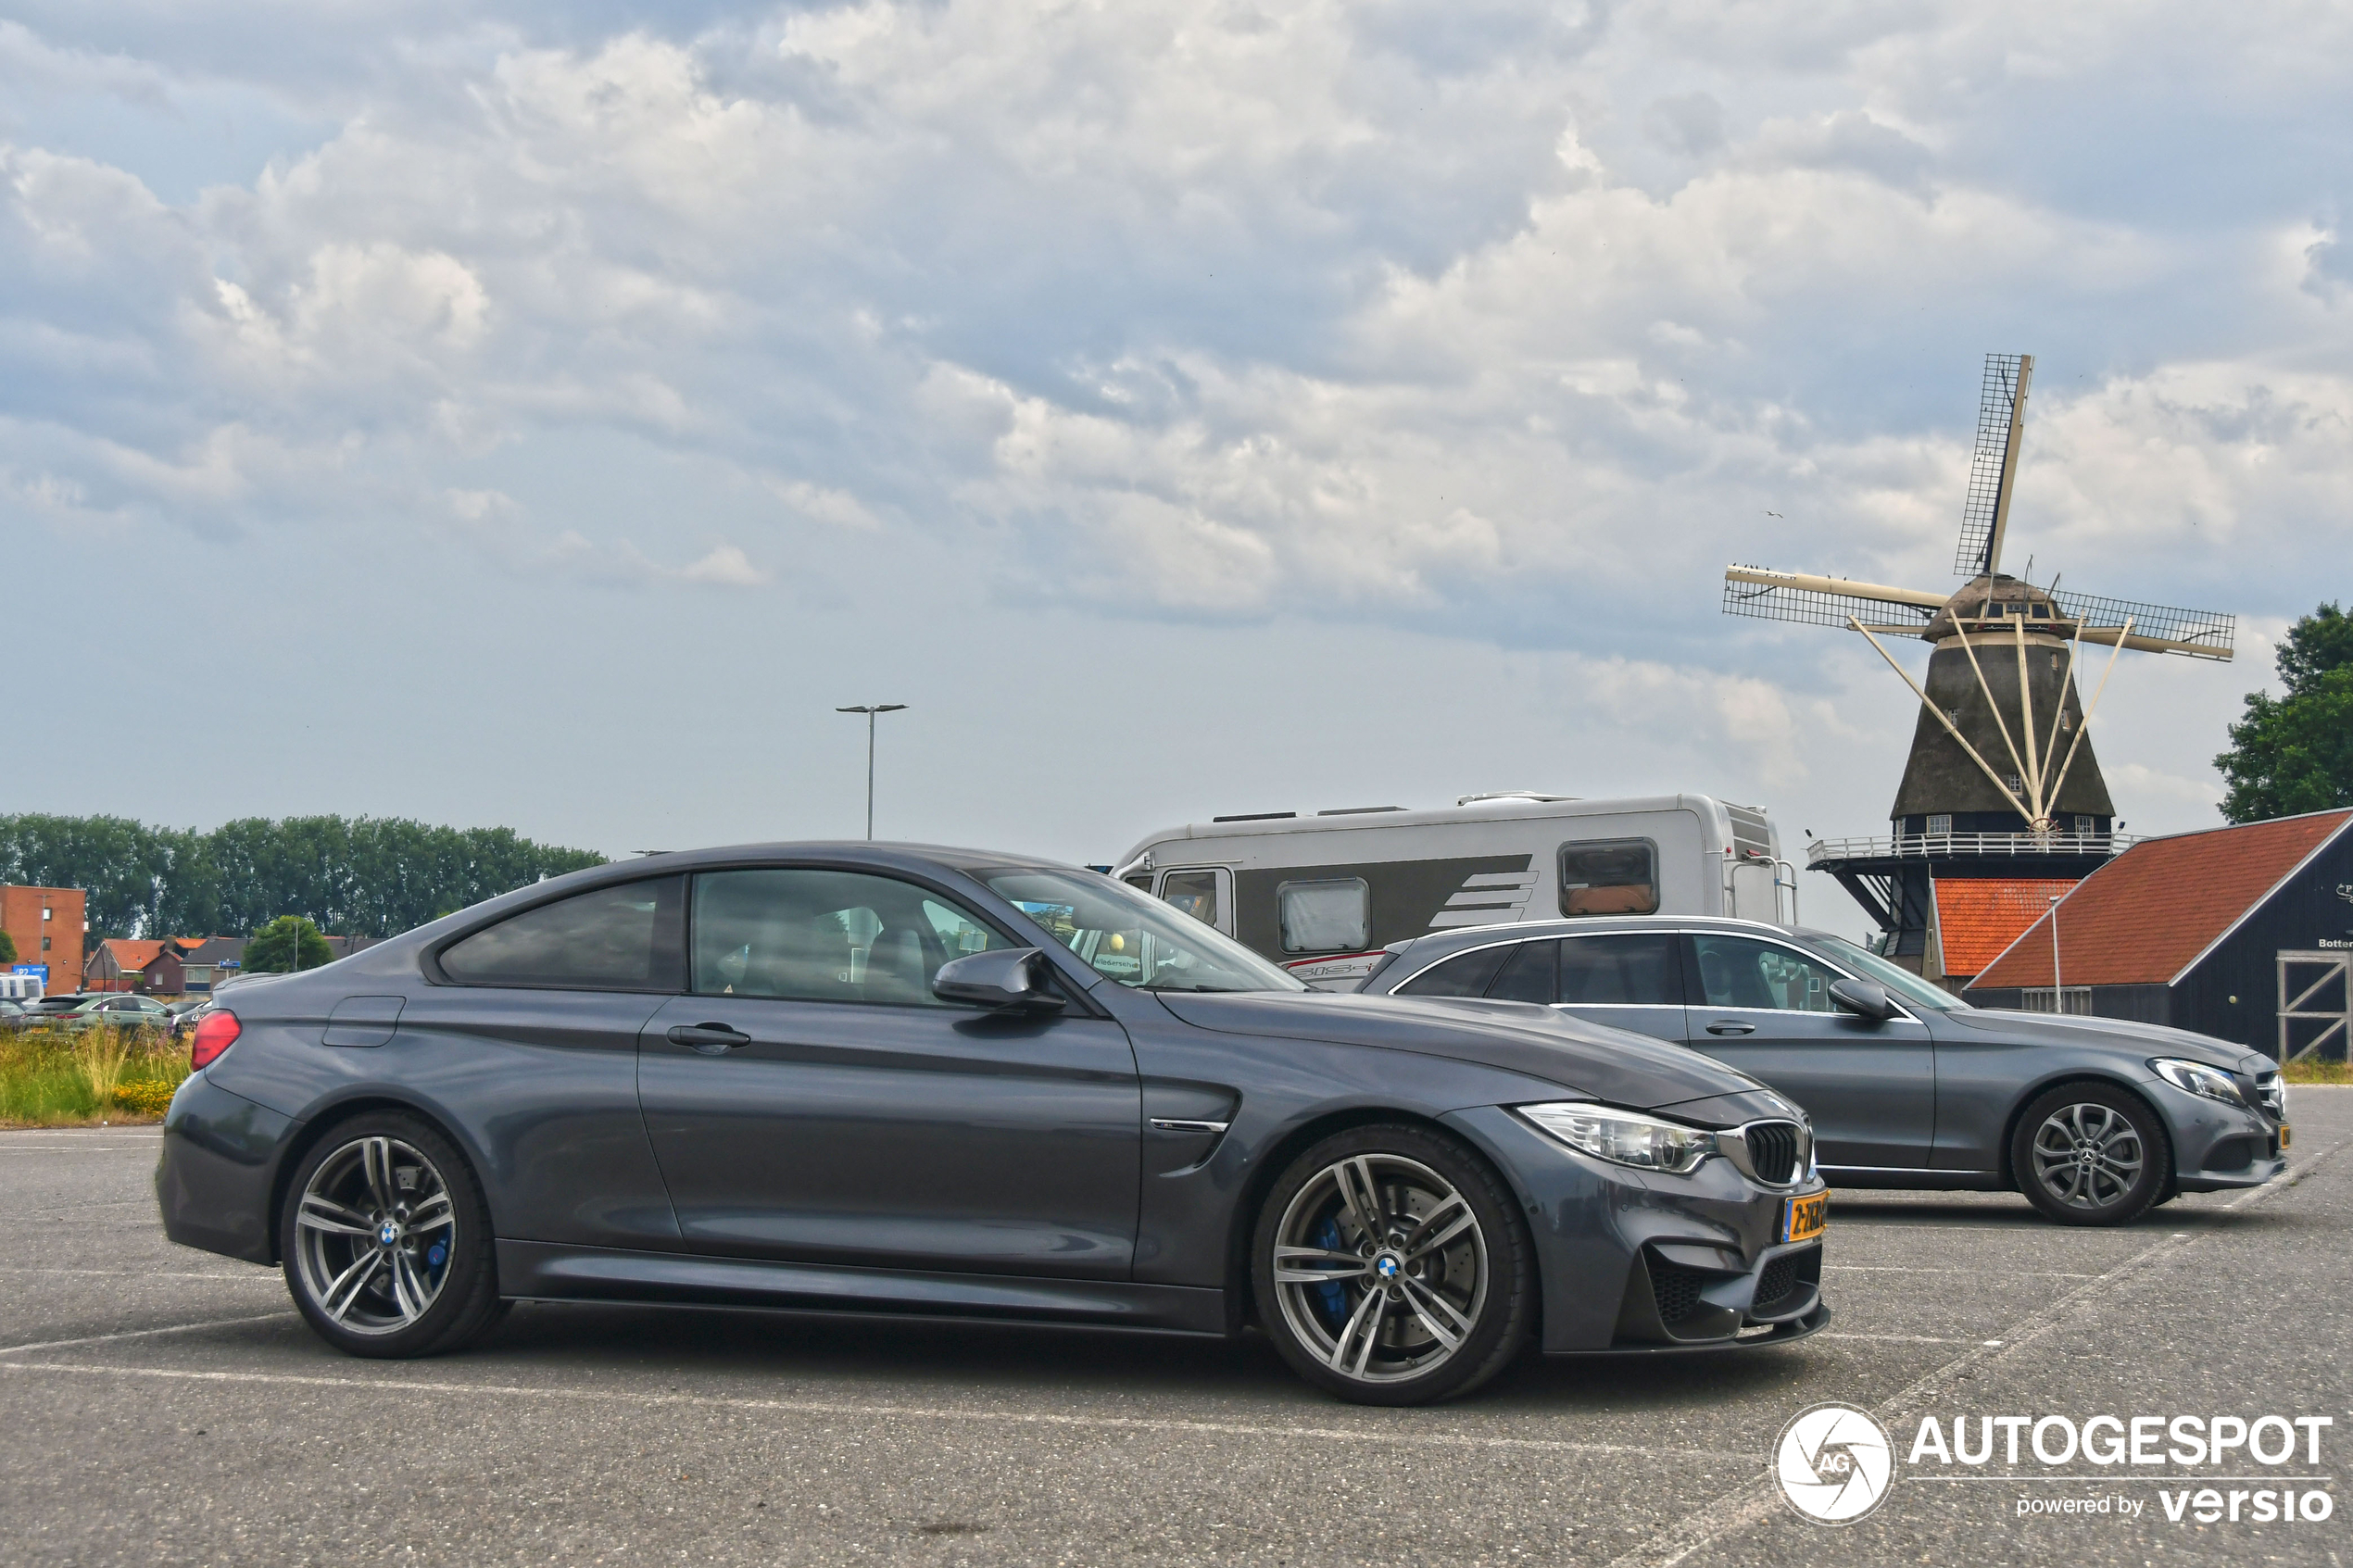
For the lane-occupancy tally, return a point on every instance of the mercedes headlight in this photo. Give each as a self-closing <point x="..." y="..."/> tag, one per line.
<point x="1624" y="1137"/>
<point x="2199" y="1079"/>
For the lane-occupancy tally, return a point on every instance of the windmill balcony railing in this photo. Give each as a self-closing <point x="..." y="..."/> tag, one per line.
<point x="1955" y="846"/>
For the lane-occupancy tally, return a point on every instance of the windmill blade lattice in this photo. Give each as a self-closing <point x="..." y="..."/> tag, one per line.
<point x="2195" y="631"/>
<point x="1995" y="396"/>
<point x="1812" y="607"/>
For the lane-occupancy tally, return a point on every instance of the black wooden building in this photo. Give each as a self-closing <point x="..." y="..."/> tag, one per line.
<point x="2242" y="933"/>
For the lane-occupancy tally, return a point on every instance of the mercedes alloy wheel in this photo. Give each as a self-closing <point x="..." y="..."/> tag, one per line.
<point x="2089" y="1154"/>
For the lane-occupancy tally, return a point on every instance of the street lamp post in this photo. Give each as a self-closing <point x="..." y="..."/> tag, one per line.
<point x="870" y="709"/>
<point x="2059" y="985"/>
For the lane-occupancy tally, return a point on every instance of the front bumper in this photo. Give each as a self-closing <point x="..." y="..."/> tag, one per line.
<point x="2217" y="1147"/>
<point x="1632" y="1261"/>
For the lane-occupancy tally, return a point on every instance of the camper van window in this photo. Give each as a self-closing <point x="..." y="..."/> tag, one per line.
<point x="1193" y="892"/>
<point x="1325" y="917"/>
<point x="1633" y="970"/>
<point x="1611" y="876"/>
<point x="1465" y="974"/>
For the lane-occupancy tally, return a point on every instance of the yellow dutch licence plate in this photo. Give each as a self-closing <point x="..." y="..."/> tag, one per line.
<point x="2283" y="1135"/>
<point x="1802" y="1219"/>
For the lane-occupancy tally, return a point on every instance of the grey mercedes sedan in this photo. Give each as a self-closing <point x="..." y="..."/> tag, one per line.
<point x="2096" y="1120"/>
<point x="879" y="1079"/>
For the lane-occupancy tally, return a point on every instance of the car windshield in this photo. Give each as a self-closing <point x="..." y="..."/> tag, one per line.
<point x="1134" y="938"/>
<point x="1902" y="981"/>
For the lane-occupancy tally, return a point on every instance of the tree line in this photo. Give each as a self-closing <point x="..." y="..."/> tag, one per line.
<point x="363" y="876"/>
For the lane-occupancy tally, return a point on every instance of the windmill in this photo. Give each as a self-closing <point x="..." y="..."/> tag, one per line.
<point x="2002" y="781"/>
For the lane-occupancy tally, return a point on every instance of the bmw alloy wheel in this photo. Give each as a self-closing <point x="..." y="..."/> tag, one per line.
<point x="374" y="1234"/>
<point x="1382" y="1268"/>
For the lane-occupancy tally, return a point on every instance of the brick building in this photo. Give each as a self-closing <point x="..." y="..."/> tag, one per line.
<point x="47" y="925"/>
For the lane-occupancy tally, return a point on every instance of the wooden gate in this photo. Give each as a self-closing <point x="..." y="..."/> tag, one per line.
<point x="2316" y="1004"/>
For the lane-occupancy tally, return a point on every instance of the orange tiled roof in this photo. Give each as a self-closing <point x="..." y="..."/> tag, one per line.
<point x="2142" y="918"/>
<point x="1977" y="917"/>
<point x="131" y="954"/>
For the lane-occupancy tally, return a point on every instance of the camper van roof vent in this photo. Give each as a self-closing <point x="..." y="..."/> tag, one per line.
<point x="1509" y="795"/>
<point x="1255" y="817"/>
<point x="1357" y="811"/>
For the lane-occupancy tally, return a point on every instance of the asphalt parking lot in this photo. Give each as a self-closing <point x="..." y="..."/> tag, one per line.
<point x="162" y="1406"/>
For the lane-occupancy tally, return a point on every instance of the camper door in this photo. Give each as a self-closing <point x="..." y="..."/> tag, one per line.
<point x="1206" y="893"/>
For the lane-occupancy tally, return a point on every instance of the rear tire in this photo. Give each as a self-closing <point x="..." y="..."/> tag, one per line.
<point x="386" y="1239"/>
<point x="1391" y="1267"/>
<point x="2092" y="1154"/>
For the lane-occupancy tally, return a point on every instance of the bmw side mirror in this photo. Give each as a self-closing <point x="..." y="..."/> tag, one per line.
<point x="1006" y="980"/>
<point x="1864" y="998"/>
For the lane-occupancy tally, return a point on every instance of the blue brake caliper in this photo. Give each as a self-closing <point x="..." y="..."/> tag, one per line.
<point x="1334" y="1299"/>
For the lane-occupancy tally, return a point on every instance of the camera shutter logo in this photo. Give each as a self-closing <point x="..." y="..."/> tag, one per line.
<point x="1835" y="1464"/>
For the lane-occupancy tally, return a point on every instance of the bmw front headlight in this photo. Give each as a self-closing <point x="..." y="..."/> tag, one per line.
<point x="2199" y="1079"/>
<point x="1624" y="1137"/>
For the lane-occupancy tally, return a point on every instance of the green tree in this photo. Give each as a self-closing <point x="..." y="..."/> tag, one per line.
<point x="2295" y="753"/>
<point x="8" y="948"/>
<point x="290" y="942"/>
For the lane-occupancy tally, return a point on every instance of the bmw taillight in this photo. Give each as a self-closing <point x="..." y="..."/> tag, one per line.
<point x="216" y="1033"/>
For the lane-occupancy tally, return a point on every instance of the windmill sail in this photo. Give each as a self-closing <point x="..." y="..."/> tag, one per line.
<point x="2001" y="416"/>
<point x="2204" y="633"/>
<point x="1826" y="601"/>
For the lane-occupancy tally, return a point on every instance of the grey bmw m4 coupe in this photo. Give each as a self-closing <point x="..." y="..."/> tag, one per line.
<point x="890" y="1079"/>
<point x="2094" y="1120"/>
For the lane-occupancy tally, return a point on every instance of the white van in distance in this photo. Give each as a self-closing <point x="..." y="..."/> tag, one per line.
<point x="1323" y="894"/>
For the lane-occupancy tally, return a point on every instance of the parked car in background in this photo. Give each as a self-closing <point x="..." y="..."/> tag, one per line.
<point x="84" y="1010"/>
<point x="947" y="1083"/>
<point x="12" y="1015"/>
<point x="181" y="1016"/>
<point x="2094" y="1120"/>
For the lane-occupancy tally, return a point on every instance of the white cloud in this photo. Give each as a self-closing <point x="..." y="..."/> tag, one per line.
<point x="1501" y="324"/>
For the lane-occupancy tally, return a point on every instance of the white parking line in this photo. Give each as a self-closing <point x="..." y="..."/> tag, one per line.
<point x="395" y="1384"/>
<point x="269" y="1276"/>
<point x="136" y="1334"/>
<point x="1753" y="1500"/>
<point x="1905" y="1338"/>
<point x="1908" y="1269"/>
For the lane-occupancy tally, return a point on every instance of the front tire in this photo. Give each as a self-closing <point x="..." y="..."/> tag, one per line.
<point x="1391" y="1267"/>
<point x="2092" y="1154"/>
<point x="386" y="1240"/>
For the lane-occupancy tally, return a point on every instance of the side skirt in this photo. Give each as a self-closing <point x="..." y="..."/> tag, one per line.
<point x="542" y="1271"/>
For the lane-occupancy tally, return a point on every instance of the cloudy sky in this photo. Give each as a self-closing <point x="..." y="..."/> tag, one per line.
<point x="546" y="415"/>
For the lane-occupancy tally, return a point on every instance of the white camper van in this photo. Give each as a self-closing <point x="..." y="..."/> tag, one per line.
<point x="1323" y="894"/>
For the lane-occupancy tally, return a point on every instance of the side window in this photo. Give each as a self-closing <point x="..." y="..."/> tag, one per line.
<point x="1465" y="974"/>
<point x="1633" y="969"/>
<point x="1609" y="876"/>
<point x="1738" y="972"/>
<point x="1527" y="975"/>
<point x="1333" y="916"/>
<point x="826" y="936"/>
<point x="623" y="939"/>
<point x="1195" y="892"/>
<point x="1141" y="882"/>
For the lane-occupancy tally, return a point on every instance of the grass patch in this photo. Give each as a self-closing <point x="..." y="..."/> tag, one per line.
<point x="2318" y="1073"/>
<point x="99" y="1074"/>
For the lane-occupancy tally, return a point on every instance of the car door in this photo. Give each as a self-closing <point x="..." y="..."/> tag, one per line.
<point x="1626" y="979"/>
<point x="811" y="1100"/>
<point x="1764" y="1006"/>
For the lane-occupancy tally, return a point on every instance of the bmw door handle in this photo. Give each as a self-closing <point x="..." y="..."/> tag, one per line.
<point x="1722" y="1026"/>
<point x="711" y="1039"/>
